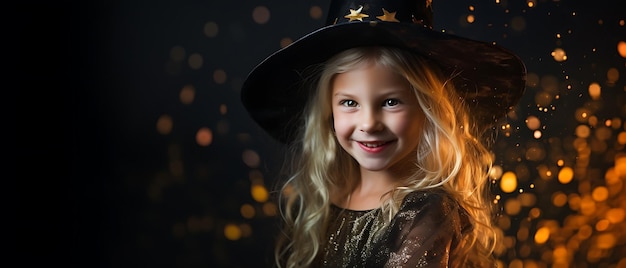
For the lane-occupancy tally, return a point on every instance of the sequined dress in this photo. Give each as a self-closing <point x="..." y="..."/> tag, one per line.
<point x="425" y="232"/>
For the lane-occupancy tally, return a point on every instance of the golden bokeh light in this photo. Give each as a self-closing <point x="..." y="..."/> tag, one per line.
<point x="259" y="193"/>
<point x="246" y="230"/>
<point x="602" y="225"/>
<point x="219" y="76"/>
<point x="470" y="18"/>
<point x="251" y="158"/>
<point x="247" y="211"/>
<point x="621" y="48"/>
<point x="512" y="207"/>
<point x="583" y="131"/>
<point x="270" y="209"/>
<point x="508" y="182"/>
<point x="615" y="215"/>
<point x="232" y="232"/>
<point x="532" y="122"/>
<point x="594" y="90"/>
<point x="559" y="55"/>
<point x="559" y="199"/>
<point x="261" y="14"/>
<point x="542" y="235"/>
<point x="187" y="94"/>
<point x="164" y="124"/>
<point x="204" y="136"/>
<point x="285" y="42"/>
<point x="566" y="174"/>
<point x="316" y="12"/>
<point x="612" y="75"/>
<point x="195" y="61"/>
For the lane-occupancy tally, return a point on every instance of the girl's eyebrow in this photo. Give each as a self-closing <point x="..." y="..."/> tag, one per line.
<point x="343" y="94"/>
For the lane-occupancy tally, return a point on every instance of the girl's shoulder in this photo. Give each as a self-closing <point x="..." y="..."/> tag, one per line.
<point x="435" y="205"/>
<point x="428" y="197"/>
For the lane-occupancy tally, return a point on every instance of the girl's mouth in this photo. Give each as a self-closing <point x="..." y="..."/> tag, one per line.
<point x="373" y="146"/>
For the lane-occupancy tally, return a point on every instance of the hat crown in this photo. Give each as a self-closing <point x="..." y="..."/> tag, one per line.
<point x="405" y="11"/>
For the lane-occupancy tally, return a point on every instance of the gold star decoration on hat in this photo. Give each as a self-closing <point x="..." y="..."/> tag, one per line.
<point x="388" y="16"/>
<point x="356" y="14"/>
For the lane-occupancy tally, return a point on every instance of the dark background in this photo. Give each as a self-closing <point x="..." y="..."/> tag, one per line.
<point x="98" y="186"/>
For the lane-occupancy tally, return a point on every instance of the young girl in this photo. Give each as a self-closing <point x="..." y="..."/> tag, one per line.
<point x="385" y="119"/>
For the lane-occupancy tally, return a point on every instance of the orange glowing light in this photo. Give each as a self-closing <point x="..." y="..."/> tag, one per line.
<point x="615" y="215"/>
<point x="470" y="18"/>
<point x="620" y="166"/>
<point x="204" y="136"/>
<point x="232" y="232"/>
<point x="251" y="158"/>
<point x="594" y="90"/>
<point x="261" y="15"/>
<point x="164" y="124"/>
<point x="621" y="138"/>
<point x="602" y="225"/>
<point x="259" y="193"/>
<point x="269" y="209"/>
<point x="600" y="194"/>
<point x="542" y="235"/>
<point x="285" y="42"/>
<point x="612" y="75"/>
<point x="187" y="94"/>
<point x="512" y="207"/>
<point x="559" y="199"/>
<point x="587" y="206"/>
<point x="606" y="241"/>
<point x="508" y="182"/>
<point x="566" y="175"/>
<point x="219" y="76"/>
<point x="621" y="48"/>
<point x="315" y="12"/>
<point x="583" y="131"/>
<point x="195" y="61"/>
<point x="532" y="122"/>
<point x="247" y="211"/>
<point x="559" y="54"/>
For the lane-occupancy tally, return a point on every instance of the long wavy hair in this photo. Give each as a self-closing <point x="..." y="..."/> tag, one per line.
<point x="449" y="156"/>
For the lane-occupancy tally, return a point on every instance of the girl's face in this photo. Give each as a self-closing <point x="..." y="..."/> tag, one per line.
<point x="376" y="116"/>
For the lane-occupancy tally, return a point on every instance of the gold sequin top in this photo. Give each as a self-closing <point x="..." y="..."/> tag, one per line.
<point x="425" y="232"/>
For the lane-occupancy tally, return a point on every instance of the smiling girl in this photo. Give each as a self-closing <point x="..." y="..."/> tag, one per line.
<point x="385" y="129"/>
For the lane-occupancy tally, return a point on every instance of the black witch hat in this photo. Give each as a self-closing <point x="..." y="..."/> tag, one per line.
<point x="490" y="78"/>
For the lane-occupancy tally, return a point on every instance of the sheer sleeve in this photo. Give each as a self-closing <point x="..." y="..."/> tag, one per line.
<point x="425" y="230"/>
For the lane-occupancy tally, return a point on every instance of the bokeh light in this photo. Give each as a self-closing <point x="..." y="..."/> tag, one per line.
<point x="508" y="182"/>
<point x="261" y="14"/>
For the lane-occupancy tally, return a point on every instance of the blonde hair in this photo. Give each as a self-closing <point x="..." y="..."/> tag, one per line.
<point x="449" y="156"/>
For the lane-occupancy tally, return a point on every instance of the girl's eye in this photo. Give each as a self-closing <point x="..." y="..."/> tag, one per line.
<point x="348" y="103"/>
<point x="391" y="102"/>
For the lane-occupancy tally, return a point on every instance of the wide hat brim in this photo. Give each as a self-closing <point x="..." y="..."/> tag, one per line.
<point x="490" y="78"/>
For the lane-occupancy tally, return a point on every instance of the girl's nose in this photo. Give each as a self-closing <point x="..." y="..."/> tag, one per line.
<point x="370" y="122"/>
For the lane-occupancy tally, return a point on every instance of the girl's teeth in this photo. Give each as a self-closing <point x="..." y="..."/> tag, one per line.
<point x="373" y="145"/>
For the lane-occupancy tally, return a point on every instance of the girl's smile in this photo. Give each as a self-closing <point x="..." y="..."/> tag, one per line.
<point x="376" y="117"/>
